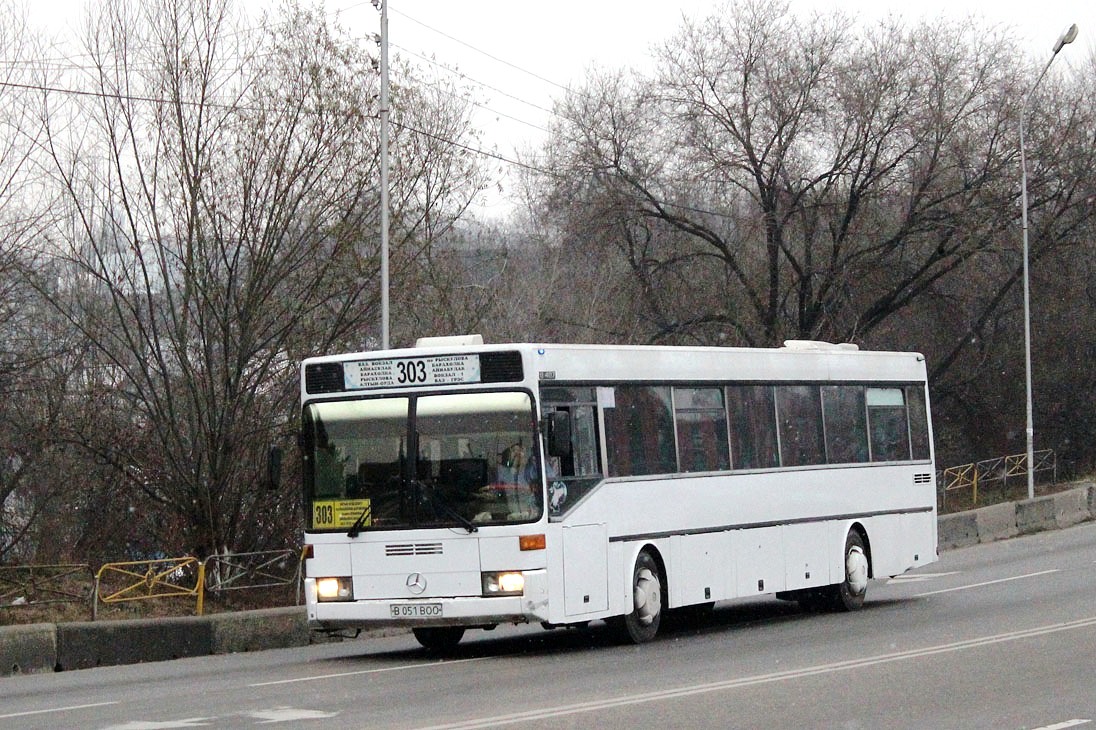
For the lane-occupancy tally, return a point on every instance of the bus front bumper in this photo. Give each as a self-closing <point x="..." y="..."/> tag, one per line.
<point x="470" y="611"/>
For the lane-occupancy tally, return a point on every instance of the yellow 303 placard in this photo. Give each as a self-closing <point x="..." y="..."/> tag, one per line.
<point x="334" y="514"/>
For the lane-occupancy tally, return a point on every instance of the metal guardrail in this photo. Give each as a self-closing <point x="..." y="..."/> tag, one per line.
<point x="188" y="577"/>
<point x="264" y="569"/>
<point x="993" y="471"/>
<point x="37" y="585"/>
<point x="141" y="580"/>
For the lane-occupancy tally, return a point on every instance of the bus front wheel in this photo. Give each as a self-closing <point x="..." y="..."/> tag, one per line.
<point x="648" y="594"/>
<point x="439" y="638"/>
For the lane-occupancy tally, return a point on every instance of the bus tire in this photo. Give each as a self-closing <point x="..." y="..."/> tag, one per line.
<point x="648" y="598"/>
<point x="848" y="595"/>
<point x="439" y="638"/>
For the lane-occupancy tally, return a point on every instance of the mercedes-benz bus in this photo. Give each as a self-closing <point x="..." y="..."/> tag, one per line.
<point x="459" y="485"/>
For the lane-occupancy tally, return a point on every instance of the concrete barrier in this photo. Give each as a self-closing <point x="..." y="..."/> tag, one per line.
<point x="28" y="649"/>
<point x="996" y="522"/>
<point x="957" y="530"/>
<point x="89" y="644"/>
<point x="1035" y="515"/>
<point x="272" y="628"/>
<point x="1071" y="507"/>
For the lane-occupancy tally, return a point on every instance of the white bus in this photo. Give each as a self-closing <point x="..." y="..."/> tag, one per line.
<point x="459" y="485"/>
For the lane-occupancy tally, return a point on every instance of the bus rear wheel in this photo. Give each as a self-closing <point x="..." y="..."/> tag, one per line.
<point x="439" y="638"/>
<point x="648" y="598"/>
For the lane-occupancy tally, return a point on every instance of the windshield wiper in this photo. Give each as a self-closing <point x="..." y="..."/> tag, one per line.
<point x="440" y="504"/>
<point x="356" y="528"/>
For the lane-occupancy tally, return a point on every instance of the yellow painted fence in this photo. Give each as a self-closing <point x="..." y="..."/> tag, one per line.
<point x="187" y="577"/>
<point x="995" y="472"/>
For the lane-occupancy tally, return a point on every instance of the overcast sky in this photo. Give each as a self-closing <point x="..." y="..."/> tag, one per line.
<point x="519" y="54"/>
<point x="552" y="43"/>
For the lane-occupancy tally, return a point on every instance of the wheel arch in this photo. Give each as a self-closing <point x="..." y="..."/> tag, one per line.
<point x="655" y="552"/>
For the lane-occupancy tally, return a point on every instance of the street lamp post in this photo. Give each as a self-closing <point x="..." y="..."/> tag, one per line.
<point x="1068" y="36"/>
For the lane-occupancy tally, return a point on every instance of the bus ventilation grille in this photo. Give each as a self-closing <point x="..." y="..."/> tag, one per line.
<point x="922" y="478"/>
<point x="323" y="377"/>
<point x="412" y="548"/>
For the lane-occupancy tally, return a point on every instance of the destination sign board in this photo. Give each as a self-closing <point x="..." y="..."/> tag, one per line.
<point x="402" y="372"/>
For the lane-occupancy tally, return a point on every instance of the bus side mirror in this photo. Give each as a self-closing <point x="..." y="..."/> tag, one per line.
<point x="274" y="467"/>
<point x="558" y="426"/>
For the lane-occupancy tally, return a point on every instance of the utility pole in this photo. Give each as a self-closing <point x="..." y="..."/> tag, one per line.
<point x="383" y="6"/>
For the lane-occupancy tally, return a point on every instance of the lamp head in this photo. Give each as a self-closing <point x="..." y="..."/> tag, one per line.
<point x="1068" y="36"/>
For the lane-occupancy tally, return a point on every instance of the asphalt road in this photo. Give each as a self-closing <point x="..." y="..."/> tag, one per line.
<point x="993" y="636"/>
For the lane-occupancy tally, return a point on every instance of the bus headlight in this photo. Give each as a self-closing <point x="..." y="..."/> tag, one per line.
<point x="334" y="589"/>
<point x="503" y="583"/>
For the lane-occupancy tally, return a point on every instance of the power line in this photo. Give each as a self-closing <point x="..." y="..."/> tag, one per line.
<point x="488" y="154"/>
<point x="485" y="107"/>
<point x="117" y="96"/>
<point x="482" y="52"/>
<point x="64" y="62"/>
<point x="460" y="74"/>
<point x="477" y="82"/>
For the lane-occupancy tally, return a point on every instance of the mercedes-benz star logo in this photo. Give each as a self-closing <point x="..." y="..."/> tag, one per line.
<point x="416" y="583"/>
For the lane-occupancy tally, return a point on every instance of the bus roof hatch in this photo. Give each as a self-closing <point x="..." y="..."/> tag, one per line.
<point x="454" y="341"/>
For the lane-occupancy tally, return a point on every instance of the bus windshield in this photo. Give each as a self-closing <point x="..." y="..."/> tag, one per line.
<point x="476" y="461"/>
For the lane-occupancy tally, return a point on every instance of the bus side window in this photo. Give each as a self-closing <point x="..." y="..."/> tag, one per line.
<point x="919" y="421"/>
<point x="584" y="436"/>
<point x="845" y="418"/>
<point x="639" y="431"/>
<point x="888" y="427"/>
<point x="582" y="459"/>
<point x="701" y="429"/>
<point x="562" y="458"/>
<point x="578" y="403"/>
<point x="752" y="417"/>
<point x="799" y="413"/>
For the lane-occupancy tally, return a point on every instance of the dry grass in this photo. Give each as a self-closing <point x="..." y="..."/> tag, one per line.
<point x="65" y="612"/>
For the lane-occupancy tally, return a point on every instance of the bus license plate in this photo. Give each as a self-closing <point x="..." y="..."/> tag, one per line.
<point x="416" y="610"/>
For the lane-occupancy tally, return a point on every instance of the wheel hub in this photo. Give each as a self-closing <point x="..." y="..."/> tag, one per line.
<point x="648" y="596"/>
<point x="856" y="570"/>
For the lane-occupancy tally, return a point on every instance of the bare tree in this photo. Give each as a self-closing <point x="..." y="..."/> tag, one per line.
<point x="225" y="203"/>
<point x="797" y="178"/>
<point x="29" y="341"/>
<point x="781" y="177"/>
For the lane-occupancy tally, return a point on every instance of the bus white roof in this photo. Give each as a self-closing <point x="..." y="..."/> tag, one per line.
<point x="798" y="360"/>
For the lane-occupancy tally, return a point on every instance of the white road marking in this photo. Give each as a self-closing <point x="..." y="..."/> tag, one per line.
<point x="55" y="709"/>
<point x="164" y="725"/>
<point x="289" y="714"/>
<point x="400" y="668"/>
<point x="919" y="577"/>
<point x="988" y="583"/>
<point x="1064" y="725"/>
<point x="696" y="689"/>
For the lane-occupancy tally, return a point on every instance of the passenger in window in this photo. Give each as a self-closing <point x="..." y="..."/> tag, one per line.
<point x="515" y="466"/>
<point x="518" y="472"/>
